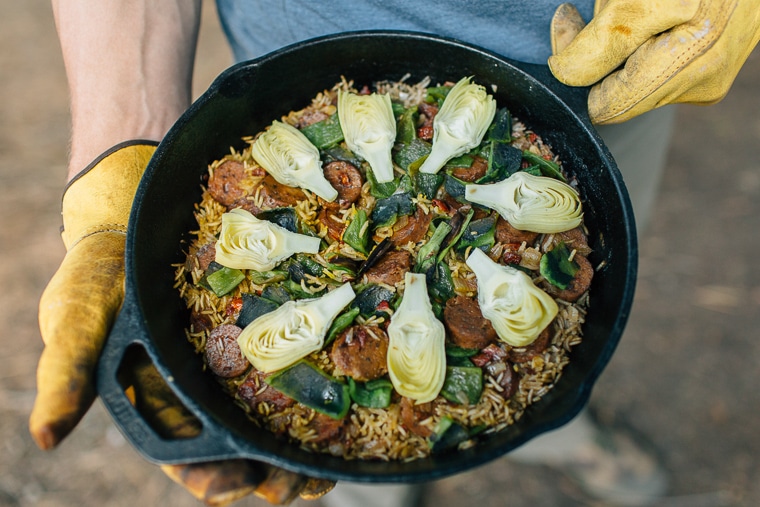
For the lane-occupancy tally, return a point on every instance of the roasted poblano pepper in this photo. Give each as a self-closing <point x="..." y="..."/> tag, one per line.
<point x="310" y="386"/>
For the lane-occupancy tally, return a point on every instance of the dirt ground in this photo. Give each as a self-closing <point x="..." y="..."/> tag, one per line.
<point x="685" y="374"/>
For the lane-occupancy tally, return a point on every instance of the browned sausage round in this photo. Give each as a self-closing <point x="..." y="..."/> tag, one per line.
<point x="254" y="390"/>
<point x="466" y="325"/>
<point x="224" y="184"/>
<point x="411" y="228"/>
<point x="276" y="195"/>
<point x="329" y="216"/>
<point x="506" y="233"/>
<point x="202" y="257"/>
<point x="391" y="268"/>
<point x="578" y="285"/>
<point x="361" y="352"/>
<point x="411" y="415"/>
<point x="223" y="354"/>
<point x="470" y="174"/>
<point x="346" y="179"/>
<point x="574" y="239"/>
<point x="524" y="354"/>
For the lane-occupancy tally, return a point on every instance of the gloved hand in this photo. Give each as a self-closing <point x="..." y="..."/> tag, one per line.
<point x="686" y="51"/>
<point x="76" y="312"/>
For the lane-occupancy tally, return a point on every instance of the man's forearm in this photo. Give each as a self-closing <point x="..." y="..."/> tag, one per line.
<point x="129" y="65"/>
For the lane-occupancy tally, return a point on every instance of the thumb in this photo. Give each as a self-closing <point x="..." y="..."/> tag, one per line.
<point x="618" y="29"/>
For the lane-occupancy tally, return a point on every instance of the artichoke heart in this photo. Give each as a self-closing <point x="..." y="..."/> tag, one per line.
<point x="508" y="298"/>
<point x="531" y="203"/>
<point x="369" y="129"/>
<point x="245" y="242"/>
<point x="280" y="338"/>
<point x="288" y="155"/>
<point x="416" y="353"/>
<point x="460" y="125"/>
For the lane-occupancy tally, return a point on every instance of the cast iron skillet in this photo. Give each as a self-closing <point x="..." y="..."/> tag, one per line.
<point x="245" y="99"/>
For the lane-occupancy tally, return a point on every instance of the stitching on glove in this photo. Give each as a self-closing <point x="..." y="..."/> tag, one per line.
<point x="91" y="231"/>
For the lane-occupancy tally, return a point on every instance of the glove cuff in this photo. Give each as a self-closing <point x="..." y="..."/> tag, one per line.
<point x="100" y="197"/>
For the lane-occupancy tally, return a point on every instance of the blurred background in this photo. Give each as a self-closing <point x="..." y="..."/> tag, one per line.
<point x="686" y="373"/>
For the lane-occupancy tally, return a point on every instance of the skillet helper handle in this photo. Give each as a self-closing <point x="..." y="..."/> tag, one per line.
<point x="129" y="339"/>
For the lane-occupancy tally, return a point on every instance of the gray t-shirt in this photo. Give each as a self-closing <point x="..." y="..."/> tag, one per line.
<point x="517" y="30"/>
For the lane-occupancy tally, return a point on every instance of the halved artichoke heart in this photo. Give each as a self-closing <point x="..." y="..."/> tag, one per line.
<point x="461" y="123"/>
<point x="416" y="353"/>
<point x="508" y="298"/>
<point x="288" y="155"/>
<point x="280" y="338"/>
<point x="245" y="242"/>
<point x="531" y="203"/>
<point x="369" y="129"/>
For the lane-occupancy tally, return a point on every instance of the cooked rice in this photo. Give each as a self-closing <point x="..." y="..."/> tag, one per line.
<point x="378" y="433"/>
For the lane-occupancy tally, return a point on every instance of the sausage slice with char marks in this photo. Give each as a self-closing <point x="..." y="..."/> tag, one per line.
<point x="361" y="352"/>
<point x="346" y="179"/>
<point x="223" y="354"/>
<point x="466" y="325"/>
<point x="391" y="268"/>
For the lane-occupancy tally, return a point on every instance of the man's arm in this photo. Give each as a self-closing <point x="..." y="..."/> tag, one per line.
<point x="129" y="65"/>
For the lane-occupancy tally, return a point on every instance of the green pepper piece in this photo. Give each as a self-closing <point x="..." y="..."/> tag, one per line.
<point x="437" y="94"/>
<point x="557" y="267"/>
<point x="465" y="160"/>
<point x="314" y="388"/>
<point x="426" y="256"/>
<point x="503" y="161"/>
<point x="413" y="152"/>
<point x="447" y="435"/>
<point x="340" y="323"/>
<point x="387" y="210"/>
<point x="463" y="384"/>
<point x="373" y="394"/>
<point x="224" y="280"/>
<point x="381" y="190"/>
<point x="439" y="282"/>
<point x="356" y="234"/>
<point x="325" y="133"/>
<point x="548" y="167"/>
<point x="501" y="127"/>
<point x="454" y="187"/>
<point x="267" y="277"/>
<point x="457" y="236"/>
<point x="478" y="234"/>
<point x="254" y="307"/>
<point x="406" y="126"/>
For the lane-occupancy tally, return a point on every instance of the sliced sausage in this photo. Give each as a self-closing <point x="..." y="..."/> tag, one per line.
<point x="346" y="179"/>
<point x="327" y="429"/>
<point x="411" y="228"/>
<point x="391" y="268"/>
<point x="506" y="233"/>
<point x="310" y="117"/>
<point x="470" y="174"/>
<point x="361" y="352"/>
<point x="200" y="321"/>
<point x="329" y="216"/>
<point x="466" y="325"/>
<point x="254" y="390"/>
<point x="412" y="414"/>
<point x="574" y="239"/>
<point x="524" y="354"/>
<point x="276" y="195"/>
<point x="428" y="111"/>
<point x="578" y="285"/>
<point x="202" y="257"/>
<point x="224" y="184"/>
<point x="223" y="354"/>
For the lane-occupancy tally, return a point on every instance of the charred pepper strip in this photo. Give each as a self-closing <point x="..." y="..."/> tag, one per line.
<point x="314" y="388"/>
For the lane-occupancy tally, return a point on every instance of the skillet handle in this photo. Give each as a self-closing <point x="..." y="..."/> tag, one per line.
<point x="127" y="333"/>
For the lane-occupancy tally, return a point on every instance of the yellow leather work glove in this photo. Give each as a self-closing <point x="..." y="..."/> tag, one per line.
<point x="77" y="310"/>
<point x="82" y="299"/>
<point x="685" y="51"/>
